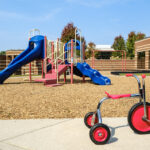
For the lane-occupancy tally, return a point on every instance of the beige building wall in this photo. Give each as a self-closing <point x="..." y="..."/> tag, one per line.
<point x="142" y="46"/>
<point x="112" y="65"/>
<point x="2" y="62"/>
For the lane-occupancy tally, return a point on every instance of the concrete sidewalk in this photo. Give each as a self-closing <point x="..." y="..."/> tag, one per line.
<point x="67" y="134"/>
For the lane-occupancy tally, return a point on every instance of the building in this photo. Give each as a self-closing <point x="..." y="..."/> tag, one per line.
<point x="2" y="62"/>
<point x="104" y="48"/>
<point x="142" y="54"/>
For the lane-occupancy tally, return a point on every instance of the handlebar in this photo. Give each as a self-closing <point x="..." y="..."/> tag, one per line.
<point x="132" y="75"/>
<point x="141" y="90"/>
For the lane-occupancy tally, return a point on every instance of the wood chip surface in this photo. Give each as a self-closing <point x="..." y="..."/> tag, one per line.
<point x="20" y="99"/>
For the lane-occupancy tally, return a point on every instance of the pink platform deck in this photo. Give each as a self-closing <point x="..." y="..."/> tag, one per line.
<point x="50" y="79"/>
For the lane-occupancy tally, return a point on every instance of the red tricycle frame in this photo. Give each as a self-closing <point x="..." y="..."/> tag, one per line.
<point x="138" y="116"/>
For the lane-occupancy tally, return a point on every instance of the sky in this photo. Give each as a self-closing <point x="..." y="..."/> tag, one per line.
<point x="99" y="20"/>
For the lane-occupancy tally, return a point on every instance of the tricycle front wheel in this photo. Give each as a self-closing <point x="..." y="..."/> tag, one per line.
<point x="100" y="133"/>
<point x="135" y="118"/>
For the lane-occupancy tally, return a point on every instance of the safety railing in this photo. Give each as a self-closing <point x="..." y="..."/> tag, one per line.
<point x="57" y="63"/>
<point x="34" y="32"/>
<point x="54" y="48"/>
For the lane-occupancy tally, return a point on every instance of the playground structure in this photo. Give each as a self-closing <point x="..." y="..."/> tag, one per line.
<point x="60" y="57"/>
<point x="57" y="58"/>
<point x="138" y="116"/>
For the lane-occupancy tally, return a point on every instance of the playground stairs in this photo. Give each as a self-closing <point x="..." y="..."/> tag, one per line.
<point x="50" y="79"/>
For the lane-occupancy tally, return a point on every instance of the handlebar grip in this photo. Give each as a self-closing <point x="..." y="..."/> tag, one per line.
<point x="143" y="76"/>
<point x="129" y="75"/>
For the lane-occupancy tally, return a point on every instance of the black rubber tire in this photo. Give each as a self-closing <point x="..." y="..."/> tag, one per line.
<point x="96" y="126"/>
<point x="130" y="117"/>
<point x="86" y="117"/>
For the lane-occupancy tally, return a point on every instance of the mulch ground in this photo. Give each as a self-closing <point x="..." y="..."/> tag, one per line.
<point x="20" y="99"/>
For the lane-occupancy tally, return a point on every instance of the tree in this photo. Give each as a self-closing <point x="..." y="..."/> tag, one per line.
<point x="130" y="44"/>
<point x="119" y="44"/>
<point x="68" y="33"/>
<point x="132" y="37"/>
<point x="140" y="36"/>
<point x="2" y="53"/>
<point x="90" y="47"/>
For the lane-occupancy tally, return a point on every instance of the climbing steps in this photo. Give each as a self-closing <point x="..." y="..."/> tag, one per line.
<point x="51" y="77"/>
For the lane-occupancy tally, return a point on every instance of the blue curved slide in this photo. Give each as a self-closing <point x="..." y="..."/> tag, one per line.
<point x="34" y="51"/>
<point x="95" y="76"/>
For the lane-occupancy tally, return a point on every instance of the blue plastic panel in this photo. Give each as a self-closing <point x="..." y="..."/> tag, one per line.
<point x="95" y="76"/>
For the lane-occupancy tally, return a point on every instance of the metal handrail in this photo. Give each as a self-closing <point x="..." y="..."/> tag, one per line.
<point x="56" y="63"/>
<point x="56" y="60"/>
<point x="55" y="52"/>
<point x="32" y="32"/>
<point x="77" y="29"/>
<point x="50" y="56"/>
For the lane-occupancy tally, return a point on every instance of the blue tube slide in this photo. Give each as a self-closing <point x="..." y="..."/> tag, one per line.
<point x="95" y="76"/>
<point x="35" y="50"/>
